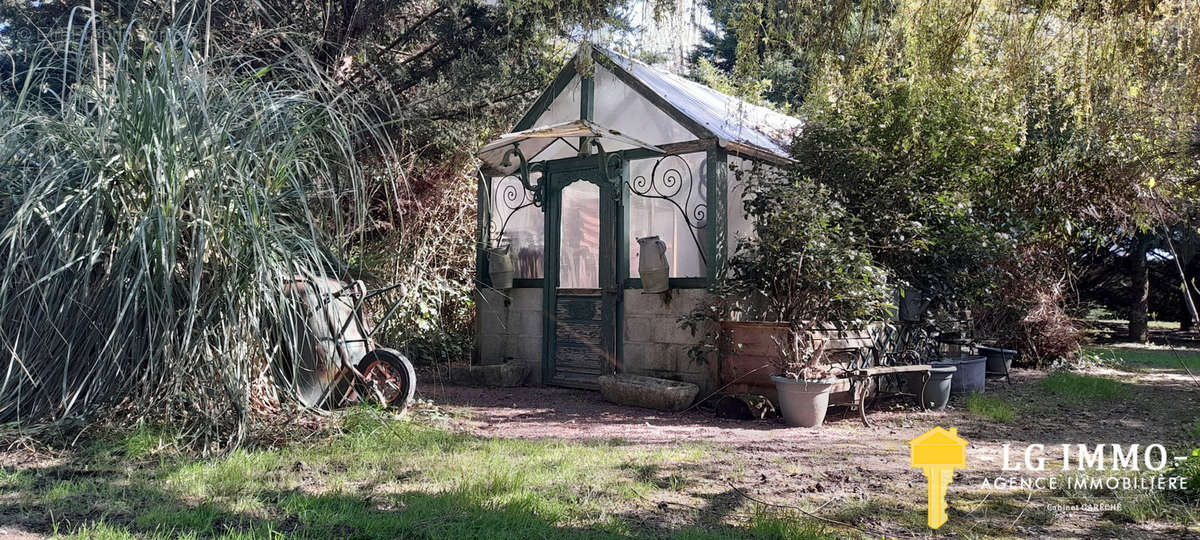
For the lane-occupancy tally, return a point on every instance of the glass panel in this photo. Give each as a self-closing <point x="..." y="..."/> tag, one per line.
<point x="557" y="150"/>
<point x="621" y="108"/>
<point x="518" y="222"/>
<point x="670" y="202"/>
<point x="739" y="226"/>
<point x="579" y="265"/>
<point x="565" y="106"/>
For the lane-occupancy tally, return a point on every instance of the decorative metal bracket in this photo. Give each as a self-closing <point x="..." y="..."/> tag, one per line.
<point x="524" y="169"/>
<point x="609" y="164"/>
<point x="514" y="197"/>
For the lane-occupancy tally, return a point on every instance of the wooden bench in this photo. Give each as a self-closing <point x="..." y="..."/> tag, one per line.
<point x="861" y="376"/>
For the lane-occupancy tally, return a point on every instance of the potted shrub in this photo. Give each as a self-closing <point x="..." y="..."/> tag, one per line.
<point x="792" y="295"/>
<point x="804" y="382"/>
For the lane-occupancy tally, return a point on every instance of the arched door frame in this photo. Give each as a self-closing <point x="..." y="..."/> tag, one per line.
<point x="613" y="260"/>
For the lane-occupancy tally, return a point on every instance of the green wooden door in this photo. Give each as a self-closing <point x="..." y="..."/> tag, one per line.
<point x="582" y="285"/>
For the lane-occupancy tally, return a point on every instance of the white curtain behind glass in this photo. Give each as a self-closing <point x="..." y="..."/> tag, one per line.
<point x="579" y="264"/>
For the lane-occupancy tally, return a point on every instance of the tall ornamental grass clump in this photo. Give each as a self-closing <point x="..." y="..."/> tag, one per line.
<point x="153" y="202"/>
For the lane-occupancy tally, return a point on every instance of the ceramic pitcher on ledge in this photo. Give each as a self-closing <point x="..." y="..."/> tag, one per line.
<point x="652" y="264"/>
<point x="500" y="266"/>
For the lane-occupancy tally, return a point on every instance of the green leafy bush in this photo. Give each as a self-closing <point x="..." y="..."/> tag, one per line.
<point x="801" y="266"/>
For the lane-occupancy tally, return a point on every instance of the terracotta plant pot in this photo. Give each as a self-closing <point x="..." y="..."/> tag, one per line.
<point x="752" y="354"/>
<point x="803" y="403"/>
<point x="747" y="365"/>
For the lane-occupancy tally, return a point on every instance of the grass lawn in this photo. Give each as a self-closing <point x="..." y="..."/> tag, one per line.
<point x="995" y="408"/>
<point x="460" y="469"/>
<point x="1153" y="358"/>
<point x="378" y="479"/>
<point x="1076" y="387"/>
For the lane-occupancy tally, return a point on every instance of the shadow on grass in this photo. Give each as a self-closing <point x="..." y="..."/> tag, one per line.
<point x="68" y="499"/>
<point x="140" y="509"/>
<point x="1069" y="408"/>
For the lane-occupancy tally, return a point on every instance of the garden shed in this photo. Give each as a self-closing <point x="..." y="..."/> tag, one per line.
<point x="612" y="152"/>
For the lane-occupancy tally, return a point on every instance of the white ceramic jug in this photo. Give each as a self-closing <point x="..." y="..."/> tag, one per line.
<point x="653" y="267"/>
<point x="500" y="267"/>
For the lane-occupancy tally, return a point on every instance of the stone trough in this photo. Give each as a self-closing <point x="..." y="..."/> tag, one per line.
<point x="499" y="375"/>
<point x="648" y="392"/>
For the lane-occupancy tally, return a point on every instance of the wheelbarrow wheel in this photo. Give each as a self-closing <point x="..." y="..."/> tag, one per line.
<point x="389" y="378"/>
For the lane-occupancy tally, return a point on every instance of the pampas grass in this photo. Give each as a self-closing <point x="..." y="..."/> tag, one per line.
<point x="152" y="203"/>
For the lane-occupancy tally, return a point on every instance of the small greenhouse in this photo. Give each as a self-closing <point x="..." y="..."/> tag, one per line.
<point x="613" y="154"/>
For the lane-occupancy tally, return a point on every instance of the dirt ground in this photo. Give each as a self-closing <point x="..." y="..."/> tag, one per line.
<point x="859" y="476"/>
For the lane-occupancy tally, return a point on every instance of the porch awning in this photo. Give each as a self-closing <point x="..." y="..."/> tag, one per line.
<point x="533" y="141"/>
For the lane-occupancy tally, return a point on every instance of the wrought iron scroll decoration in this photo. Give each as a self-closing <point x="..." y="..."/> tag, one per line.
<point x="524" y="169"/>
<point x="510" y="192"/>
<point x="666" y="186"/>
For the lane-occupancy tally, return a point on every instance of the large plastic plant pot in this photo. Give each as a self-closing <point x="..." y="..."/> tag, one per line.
<point x="934" y="393"/>
<point x="999" y="361"/>
<point x="969" y="377"/>
<point x="803" y="403"/>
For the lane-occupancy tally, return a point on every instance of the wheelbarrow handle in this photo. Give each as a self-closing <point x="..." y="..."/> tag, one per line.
<point x="376" y="292"/>
<point x="391" y="311"/>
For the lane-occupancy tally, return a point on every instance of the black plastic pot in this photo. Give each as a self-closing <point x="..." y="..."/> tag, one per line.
<point x="999" y="361"/>
<point x="911" y="304"/>
<point x="970" y="376"/>
<point x="934" y="393"/>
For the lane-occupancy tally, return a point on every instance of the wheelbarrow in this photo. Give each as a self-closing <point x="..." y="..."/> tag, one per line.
<point x="334" y="360"/>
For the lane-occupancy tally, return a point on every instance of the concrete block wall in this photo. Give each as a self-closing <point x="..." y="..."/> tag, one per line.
<point x="655" y="345"/>
<point x="510" y="328"/>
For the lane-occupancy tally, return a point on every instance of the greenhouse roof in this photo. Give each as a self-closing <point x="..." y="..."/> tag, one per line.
<point x="730" y="119"/>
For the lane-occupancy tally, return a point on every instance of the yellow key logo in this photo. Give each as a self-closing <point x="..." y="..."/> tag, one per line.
<point x="938" y="452"/>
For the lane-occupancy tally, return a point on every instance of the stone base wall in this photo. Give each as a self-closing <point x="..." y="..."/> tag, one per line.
<point x="655" y="345"/>
<point x="509" y="328"/>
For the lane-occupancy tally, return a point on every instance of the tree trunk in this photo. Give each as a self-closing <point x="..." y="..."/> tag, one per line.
<point x="1191" y="275"/>
<point x="1139" y="283"/>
